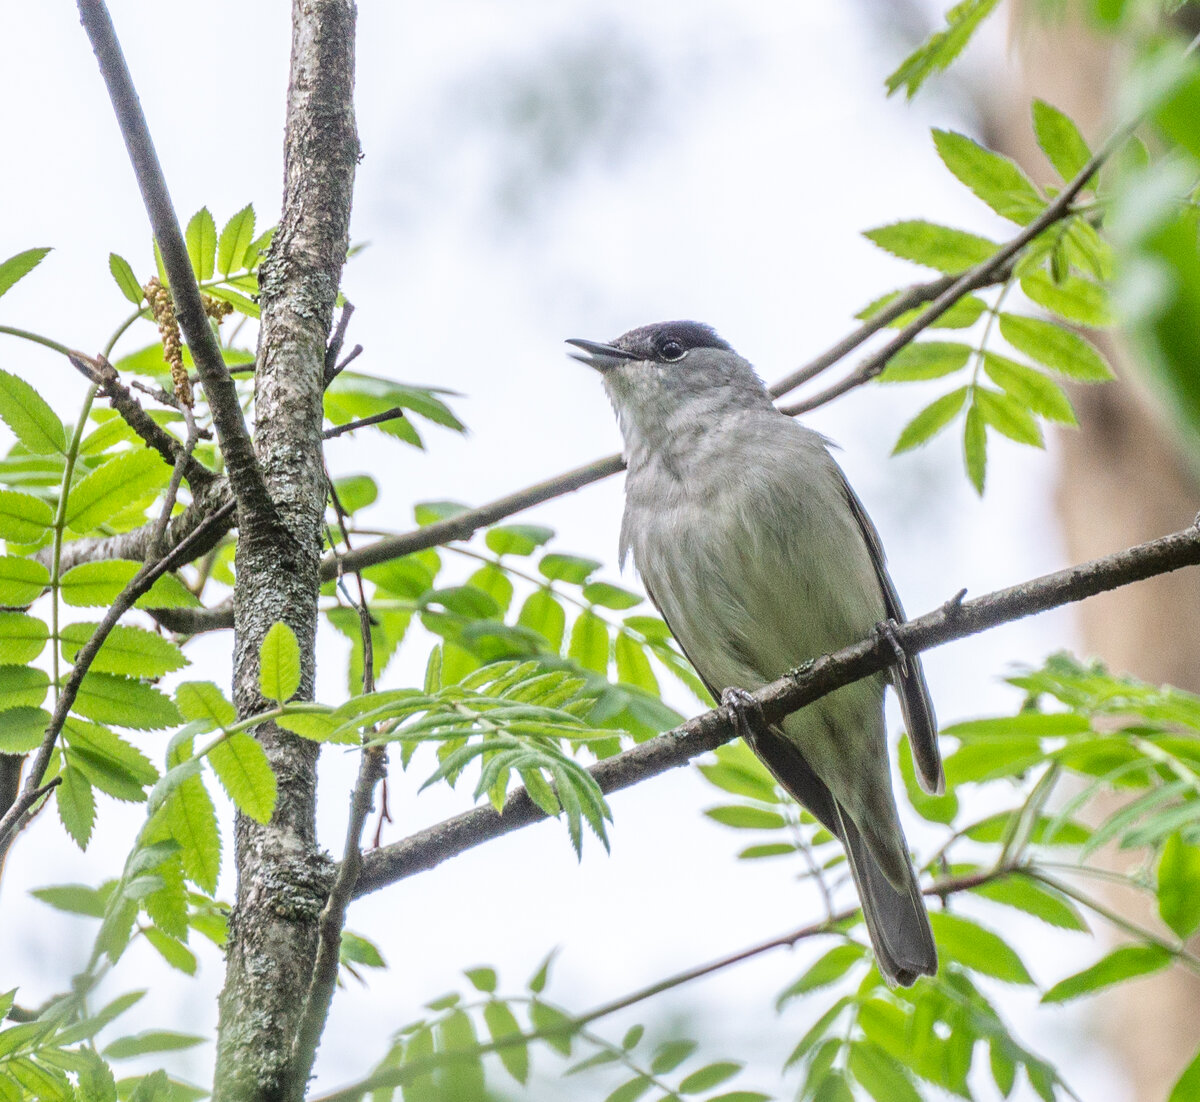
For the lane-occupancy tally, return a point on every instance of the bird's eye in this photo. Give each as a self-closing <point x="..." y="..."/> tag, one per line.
<point x="671" y="350"/>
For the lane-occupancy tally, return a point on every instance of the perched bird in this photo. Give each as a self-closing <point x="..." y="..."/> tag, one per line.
<point x="760" y="556"/>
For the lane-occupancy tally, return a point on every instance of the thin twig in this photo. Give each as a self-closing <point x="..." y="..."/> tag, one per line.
<point x="429" y="848"/>
<point x="362" y="423"/>
<point x="334" y="348"/>
<point x="244" y="473"/>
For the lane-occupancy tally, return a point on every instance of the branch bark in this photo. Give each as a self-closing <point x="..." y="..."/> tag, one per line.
<point x="954" y="620"/>
<point x="283" y="881"/>
<point x="236" y="447"/>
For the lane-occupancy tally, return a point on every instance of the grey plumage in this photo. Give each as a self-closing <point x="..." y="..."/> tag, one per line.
<point x="760" y="556"/>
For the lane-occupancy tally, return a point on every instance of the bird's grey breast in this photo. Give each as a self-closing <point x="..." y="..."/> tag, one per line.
<point x="738" y="537"/>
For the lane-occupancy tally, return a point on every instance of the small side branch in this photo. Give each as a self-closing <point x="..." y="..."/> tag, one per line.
<point x="244" y="473"/>
<point x="953" y="620"/>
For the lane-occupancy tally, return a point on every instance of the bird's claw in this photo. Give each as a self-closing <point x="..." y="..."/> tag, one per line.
<point x="745" y="711"/>
<point x="887" y="629"/>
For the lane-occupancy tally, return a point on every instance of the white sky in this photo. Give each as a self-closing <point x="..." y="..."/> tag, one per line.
<point x="753" y="145"/>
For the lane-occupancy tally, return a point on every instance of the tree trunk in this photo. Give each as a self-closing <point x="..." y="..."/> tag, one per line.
<point x="282" y="878"/>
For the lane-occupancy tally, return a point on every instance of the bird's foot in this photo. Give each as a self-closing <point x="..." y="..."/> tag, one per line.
<point x="745" y="711"/>
<point x="887" y="630"/>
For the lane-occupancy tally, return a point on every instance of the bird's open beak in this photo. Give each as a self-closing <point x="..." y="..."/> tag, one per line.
<point x="603" y="357"/>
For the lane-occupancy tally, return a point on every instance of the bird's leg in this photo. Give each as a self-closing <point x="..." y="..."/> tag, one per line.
<point x="745" y="711"/>
<point x="887" y="630"/>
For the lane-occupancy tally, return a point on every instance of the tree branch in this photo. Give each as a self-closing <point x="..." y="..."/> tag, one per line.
<point x="983" y="274"/>
<point x="244" y="473"/>
<point x="954" y="620"/>
<point x="104" y="375"/>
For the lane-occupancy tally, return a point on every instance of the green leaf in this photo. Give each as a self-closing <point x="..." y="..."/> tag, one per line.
<point x="738" y="771"/>
<point x="1030" y="387"/>
<point x="77" y="899"/>
<point x="21" y="580"/>
<point x="192" y="821"/>
<point x="30" y="417"/>
<point x="932" y="246"/>
<point x="357" y="949"/>
<point x="883" y="1077"/>
<point x="501" y="1023"/>
<point x="931" y="420"/>
<point x="492" y="580"/>
<point x="22" y="638"/>
<point x="126" y="702"/>
<point x="111" y="764"/>
<point x="1121" y="964"/>
<point x="126" y="650"/>
<point x="543" y="614"/>
<point x="1187" y="1086"/>
<point x="23" y="519"/>
<point x="236" y="238"/>
<point x="18" y="266"/>
<point x="123" y="481"/>
<point x="1060" y="140"/>
<point x="95" y="584"/>
<point x="126" y="280"/>
<point x="941" y="48"/>
<point x="993" y="178"/>
<point x="203" y="700"/>
<point x="239" y="302"/>
<point x="1008" y="416"/>
<point x="22" y="729"/>
<point x="1027" y="895"/>
<point x="76" y="805"/>
<point x="633" y="667"/>
<point x="152" y="1040"/>
<point x="610" y="596"/>
<point x="925" y="360"/>
<point x="709" y="1076"/>
<point x="589" y="642"/>
<point x="971" y="945"/>
<point x="22" y="687"/>
<point x="1179" y="886"/>
<point x="743" y="817"/>
<point x="1058" y="348"/>
<point x="517" y="539"/>
<point x="172" y="950"/>
<point x="279" y="663"/>
<point x="241" y="766"/>
<point x="668" y="1056"/>
<point x="356" y="492"/>
<point x="825" y="970"/>
<point x="572" y="569"/>
<point x="975" y="449"/>
<point x="482" y="979"/>
<point x="631" y="1091"/>
<point x="201" y="239"/>
<point x="1073" y="298"/>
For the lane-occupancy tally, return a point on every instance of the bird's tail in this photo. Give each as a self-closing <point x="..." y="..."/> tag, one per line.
<point x="896" y="920"/>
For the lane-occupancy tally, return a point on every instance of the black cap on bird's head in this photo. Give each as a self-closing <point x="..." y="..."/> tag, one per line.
<point x="663" y="342"/>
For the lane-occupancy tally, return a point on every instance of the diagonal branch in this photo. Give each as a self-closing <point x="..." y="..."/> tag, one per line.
<point x="981" y="275"/>
<point x="954" y="620"/>
<point x="244" y="473"/>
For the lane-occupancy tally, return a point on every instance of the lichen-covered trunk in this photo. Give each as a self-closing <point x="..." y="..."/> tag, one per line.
<point x="282" y="877"/>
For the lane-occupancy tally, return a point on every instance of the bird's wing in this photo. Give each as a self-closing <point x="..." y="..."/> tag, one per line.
<point x="909" y="680"/>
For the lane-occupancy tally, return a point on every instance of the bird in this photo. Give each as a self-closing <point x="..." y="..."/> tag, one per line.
<point x="760" y="557"/>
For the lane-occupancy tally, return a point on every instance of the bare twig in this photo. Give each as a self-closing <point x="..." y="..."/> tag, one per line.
<point x="334" y="348"/>
<point x="138" y="585"/>
<point x="429" y="848"/>
<point x="104" y="375"/>
<point x="362" y="423"/>
<point x="244" y="473"/>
